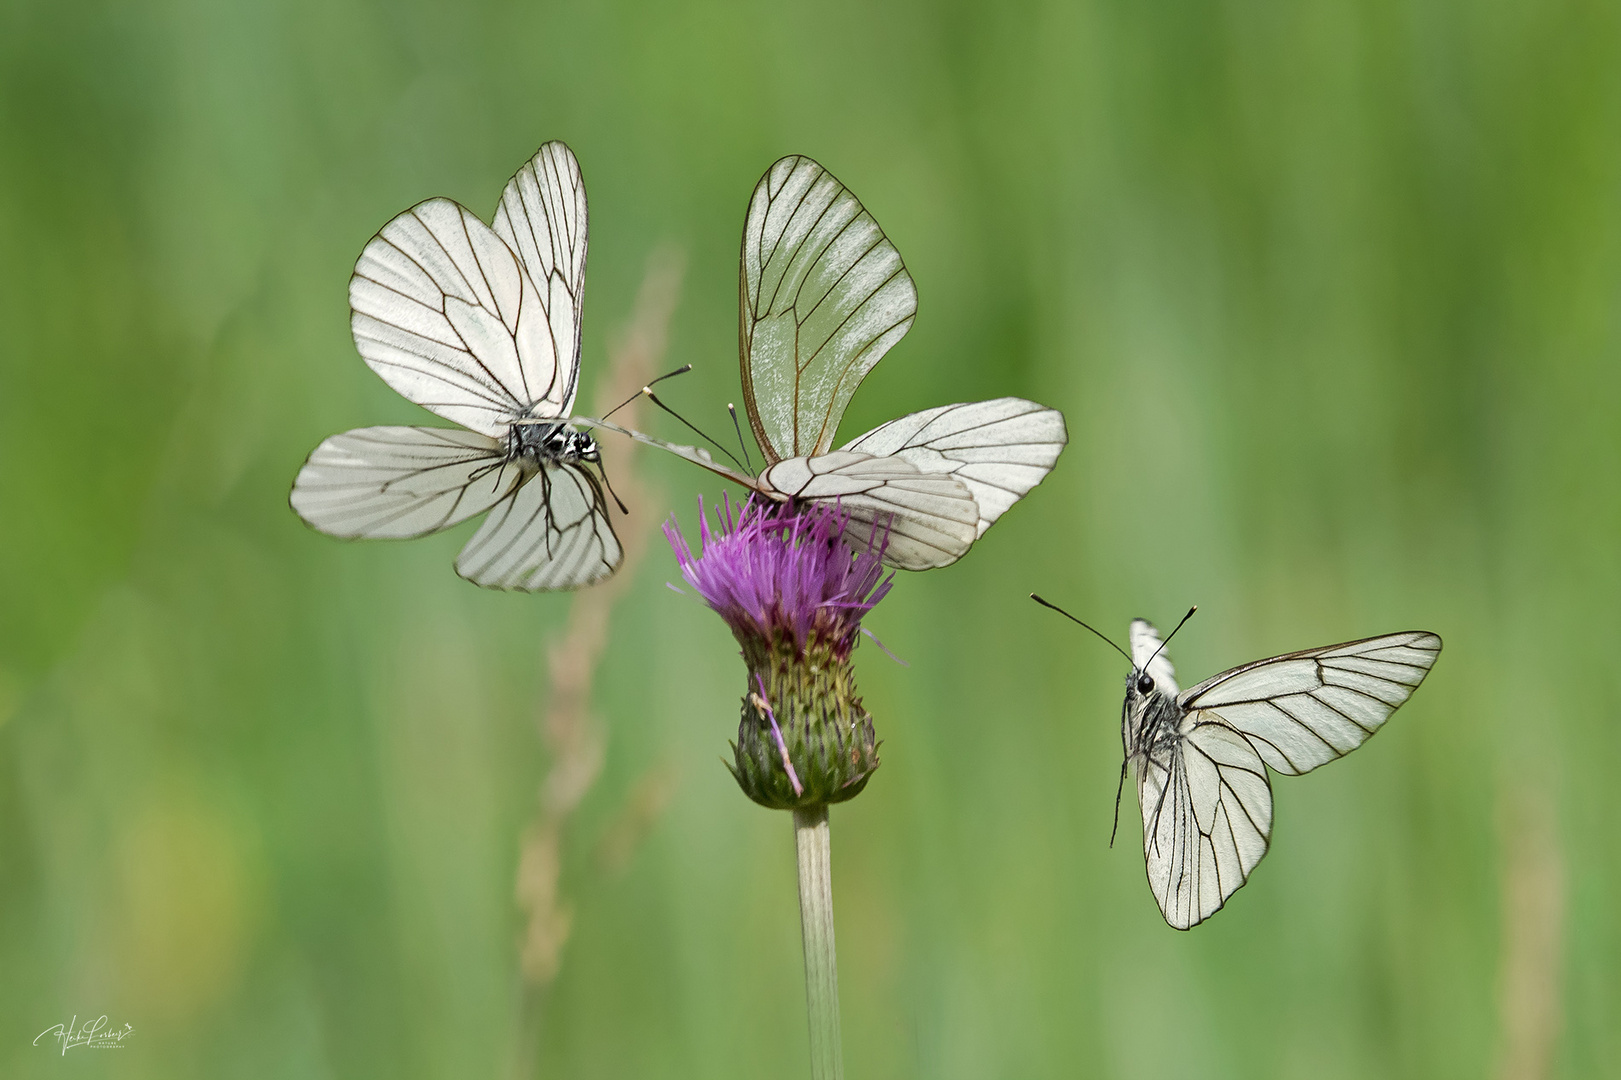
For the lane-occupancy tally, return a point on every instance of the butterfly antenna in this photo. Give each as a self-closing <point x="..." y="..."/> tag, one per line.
<point x="667" y="375"/>
<point x="741" y="445"/>
<point x="654" y="398"/>
<point x="1171" y="635"/>
<point x="1078" y="622"/>
<point x="1118" y="789"/>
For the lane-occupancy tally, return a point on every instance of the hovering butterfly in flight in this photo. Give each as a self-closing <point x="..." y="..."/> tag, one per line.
<point x="1201" y="755"/>
<point x="480" y="325"/>
<point x="823" y="295"/>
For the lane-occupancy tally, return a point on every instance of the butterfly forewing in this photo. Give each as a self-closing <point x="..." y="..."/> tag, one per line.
<point x="1308" y="708"/>
<point x="542" y="218"/>
<point x="824" y="295"/>
<point x="999" y="449"/>
<point x="444" y="312"/>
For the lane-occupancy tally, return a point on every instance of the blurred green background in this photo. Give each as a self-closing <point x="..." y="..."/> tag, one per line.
<point x="1329" y="291"/>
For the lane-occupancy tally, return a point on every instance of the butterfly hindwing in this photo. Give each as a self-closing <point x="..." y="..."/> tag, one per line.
<point x="921" y="521"/>
<point x="999" y="449"/>
<point x="1207" y="819"/>
<point x="553" y="533"/>
<point x="400" y="482"/>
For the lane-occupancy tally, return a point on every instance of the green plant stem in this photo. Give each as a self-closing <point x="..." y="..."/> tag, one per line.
<point x="811" y="838"/>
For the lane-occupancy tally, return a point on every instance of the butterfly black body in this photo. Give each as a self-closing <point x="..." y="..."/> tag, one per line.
<point x="550" y="442"/>
<point x="1150" y="732"/>
<point x="1150" y="722"/>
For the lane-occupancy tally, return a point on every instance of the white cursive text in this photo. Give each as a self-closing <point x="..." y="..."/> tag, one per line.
<point x="96" y="1034"/>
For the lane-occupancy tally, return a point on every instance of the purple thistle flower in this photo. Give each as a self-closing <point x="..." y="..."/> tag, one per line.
<point x="779" y="576"/>
<point x="793" y="593"/>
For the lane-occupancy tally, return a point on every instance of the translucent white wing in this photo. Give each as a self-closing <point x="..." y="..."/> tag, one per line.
<point x="397" y="482"/>
<point x="552" y="534"/>
<point x="1145" y="642"/>
<point x="542" y="218"/>
<point x="922" y="521"/>
<point x="1207" y="819"/>
<point x="824" y="295"/>
<point x="442" y="310"/>
<point x="999" y="449"/>
<point x="1310" y="707"/>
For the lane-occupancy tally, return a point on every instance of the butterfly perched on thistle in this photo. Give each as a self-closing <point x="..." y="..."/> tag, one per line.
<point x="1201" y="755"/>
<point x="480" y="325"/>
<point x="823" y="295"/>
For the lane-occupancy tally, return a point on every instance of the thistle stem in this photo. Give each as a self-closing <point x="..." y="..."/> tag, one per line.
<point x="812" y="840"/>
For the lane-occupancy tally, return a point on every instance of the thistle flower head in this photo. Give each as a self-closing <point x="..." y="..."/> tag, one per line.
<point x="793" y="593"/>
<point x="780" y="578"/>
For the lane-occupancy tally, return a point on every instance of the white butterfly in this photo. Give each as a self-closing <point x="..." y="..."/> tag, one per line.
<point x="1200" y="755"/>
<point x="482" y="327"/>
<point x="823" y="295"/>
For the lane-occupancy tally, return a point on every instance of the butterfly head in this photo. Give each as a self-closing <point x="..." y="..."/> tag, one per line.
<point x="1142" y="693"/>
<point x="1151" y="669"/>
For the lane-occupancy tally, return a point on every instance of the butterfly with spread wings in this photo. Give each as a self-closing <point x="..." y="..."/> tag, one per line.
<point x="481" y="326"/>
<point x="1201" y="755"/>
<point x="823" y="295"/>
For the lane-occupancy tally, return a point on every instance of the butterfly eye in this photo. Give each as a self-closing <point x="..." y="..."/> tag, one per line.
<point x="1145" y="683"/>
